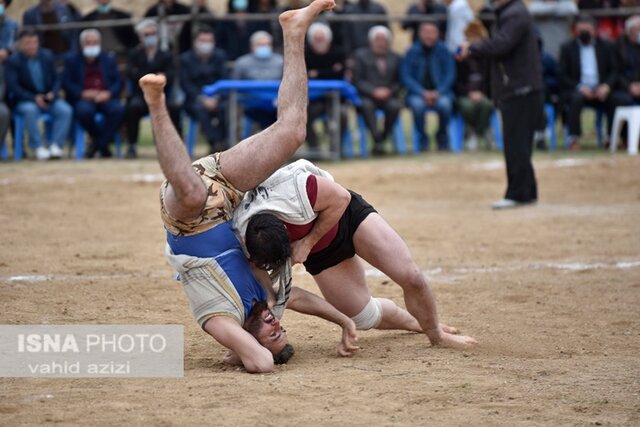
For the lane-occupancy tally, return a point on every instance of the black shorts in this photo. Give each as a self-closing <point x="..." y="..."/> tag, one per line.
<point x="341" y="247"/>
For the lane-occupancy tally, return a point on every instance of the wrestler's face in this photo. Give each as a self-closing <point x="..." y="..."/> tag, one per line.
<point x="266" y="328"/>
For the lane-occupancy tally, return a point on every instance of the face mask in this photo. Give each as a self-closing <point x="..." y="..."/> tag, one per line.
<point x="150" y="41"/>
<point x="104" y="8"/>
<point x="1" y="10"/>
<point x="585" y="37"/>
<point x="204" y="49"/>
<point x="240" y="4"/>
<point x="91" y="51"/>
<point x="263" y="52"/>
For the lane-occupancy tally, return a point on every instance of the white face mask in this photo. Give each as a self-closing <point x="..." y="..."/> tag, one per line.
<point x="91" y="51"/>
<point x="204" y="48"/>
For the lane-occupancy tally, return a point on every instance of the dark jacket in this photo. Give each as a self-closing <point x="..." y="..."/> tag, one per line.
<point x="570" y="69"/>
<point x="413" y="69"/>
<point x="513" y="50"/>
<point x="125" y="34"/>
<point x="629" y="60"/>
<point x="436" y="10"/>
<point x="184" y="38"/>
<point x="73" y="75"/>
<point x="367" y="77"/>
<point x="330" y="66"/>
<point x="33" y="16"/>
<point x="138" y="65"/>
<point x="19" y="82"/>
<point x="194" y="74"/>
<point x="356" y="33"/>
<point x="473" y="75"/>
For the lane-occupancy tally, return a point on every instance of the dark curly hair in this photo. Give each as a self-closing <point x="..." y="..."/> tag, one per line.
<point x="267" y="241"/>
<point x="284" y="355"/>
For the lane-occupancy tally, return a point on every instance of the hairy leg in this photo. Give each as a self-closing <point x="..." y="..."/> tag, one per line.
<point x="382" y="247"/>
<point x="345" y="287"/>
<point x="250" y="162"/>
<point x="186" y="195"/>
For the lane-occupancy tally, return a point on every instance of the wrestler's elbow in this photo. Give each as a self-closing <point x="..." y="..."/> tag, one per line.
<point x="259" y="363"/>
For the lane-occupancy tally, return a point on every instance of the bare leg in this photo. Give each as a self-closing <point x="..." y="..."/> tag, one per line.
<point x="345" y="287"/>
<point x="382" y="247"/>
<point x="250" y="162"/>
<point x="186" y="194"/>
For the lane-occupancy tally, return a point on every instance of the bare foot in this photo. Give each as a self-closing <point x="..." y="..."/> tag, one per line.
<point x="152" y="86"/>
<point x="300" y="19"/>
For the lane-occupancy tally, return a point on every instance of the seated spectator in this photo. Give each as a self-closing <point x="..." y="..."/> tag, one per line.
<point x="51" y="12"/>
<point x="114" y="39"/>
<point x="34" y="86"/>
<point x="472" y="98"/>
<point x="8" y="32"/>
<point x="325" y="61"/>
<point x="376" y="75"/>
<point x="428" y="71"/>
<point x="203" y="65"/>
<point x="588" y="76"/>
<point x="261" y="64"/>
<point x="5" y="115"/>
<point x="93" y="85"/>
<point x="147" y="58"/>
<point x="356" y="32"/>
<point x="551" y="78"/>
<point x="233" y="35"/>
<point x="430" y="8"/>
<point x="459" y="15"/>
<point x="177" y="31"/>
<point x="628" y="48"/>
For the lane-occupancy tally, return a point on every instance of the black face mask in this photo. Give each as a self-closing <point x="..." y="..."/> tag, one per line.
<point x="585" y="37"/>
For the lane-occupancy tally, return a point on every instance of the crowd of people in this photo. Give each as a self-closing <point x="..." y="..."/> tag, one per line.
<point x="88" y="76"/>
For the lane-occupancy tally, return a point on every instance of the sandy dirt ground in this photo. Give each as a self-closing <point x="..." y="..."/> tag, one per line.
<point x="552" y="292"/>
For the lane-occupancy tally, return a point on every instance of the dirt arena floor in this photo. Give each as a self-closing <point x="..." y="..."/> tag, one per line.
<point x="552" y="292"/>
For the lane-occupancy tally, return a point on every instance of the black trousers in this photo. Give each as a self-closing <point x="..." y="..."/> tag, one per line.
<point x="520" y="117"/>
<point x="574" y="102"/>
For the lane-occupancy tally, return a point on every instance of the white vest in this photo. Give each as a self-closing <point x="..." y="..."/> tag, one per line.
<point x="283" y="194"/>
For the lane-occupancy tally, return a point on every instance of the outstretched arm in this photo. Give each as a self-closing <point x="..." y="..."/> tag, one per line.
<point x="308" y="303"/>
<point x="331" y="201"/>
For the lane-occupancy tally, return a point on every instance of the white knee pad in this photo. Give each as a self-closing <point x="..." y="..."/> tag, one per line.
<point x="370" y="316"/>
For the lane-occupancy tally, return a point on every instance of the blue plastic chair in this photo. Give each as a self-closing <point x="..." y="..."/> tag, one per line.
<point x="79" y="138"/>
<point x="192" y="136"/>
<point x="398" y="135"/>
<point x="18" y="135"/>
<point x="550" y="111"/>
<point x="456" y="132"/>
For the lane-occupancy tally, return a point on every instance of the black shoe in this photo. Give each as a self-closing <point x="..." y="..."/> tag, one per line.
<point x="378" y="150"/>
<point x="91" y="152"/>
<point x="131" y="152"/>
<point x="105" y="153"/>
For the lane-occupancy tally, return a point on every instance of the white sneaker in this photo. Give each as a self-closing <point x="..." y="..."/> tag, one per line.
<point x="472" y="142"/>
<point x="42" y="153"/>
<point x="510" y="204"/>
<point x="55" y="151"/>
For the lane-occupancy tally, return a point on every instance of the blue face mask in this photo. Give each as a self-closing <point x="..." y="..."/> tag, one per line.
<point x="263" y="52"/>
<point x="240" y="4"/>
<point x="1" y="10"/>
<point x="104" y="8"/>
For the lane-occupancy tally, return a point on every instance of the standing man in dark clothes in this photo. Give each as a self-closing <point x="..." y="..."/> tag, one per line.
<point x="356" y="31"/>
<point x="114" y="39"/>
<point x="147" y="58"/>
<point x="517" y="88"/>
<point x="49" y="12"/>
<point x="427" y="7"/>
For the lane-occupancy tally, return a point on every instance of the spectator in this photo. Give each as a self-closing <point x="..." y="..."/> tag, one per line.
<point x="261" y="64"/>
<point x="177" y="32"/>
<point x="428" y="72"/>
<point x="34" y="86"/>
<point x="430" y="8"/>
<point x="233" y="35"/>
<point x="5" y="115"/>
<point x="355" y="35"/>
<point x="147" y="58"/>
<point x="93" y="85"/>
<point x="8" y="32"/>
<point x="607" y="27"/>
<point x="588" y="76"/>
<point x="325" y="61"/>
<point x="114" y="39"/>
<point x="376" y="75"/>
<point x="551" y="79"/>
<point x="472" y="91"/>
<point x="459" y="15"/>
<point x="50" y="12"/>
<point x="203" y="65"/>
<point x="628" y="47"/>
